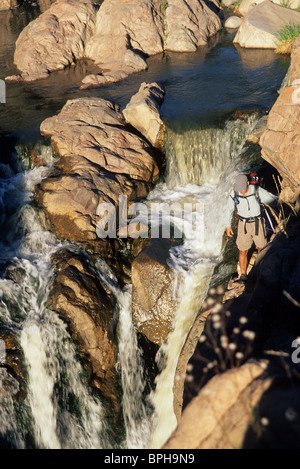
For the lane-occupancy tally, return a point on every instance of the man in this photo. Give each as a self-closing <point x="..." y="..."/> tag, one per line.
<point x="251" y="225"/>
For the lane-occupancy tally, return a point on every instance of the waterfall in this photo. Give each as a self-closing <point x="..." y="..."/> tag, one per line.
<point x="201" y="155"/>
<point x="59" y="408"/>
<point x="202" y="165"/>
<point x="136" y="408"/>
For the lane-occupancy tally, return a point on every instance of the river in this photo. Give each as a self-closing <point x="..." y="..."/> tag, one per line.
<point x="203" y="153"/>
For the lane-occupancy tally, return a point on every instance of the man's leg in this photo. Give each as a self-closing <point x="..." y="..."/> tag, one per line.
<point x="244" y="242"/>
<point x="260" y="239"/>
<point x="243" y="261"/>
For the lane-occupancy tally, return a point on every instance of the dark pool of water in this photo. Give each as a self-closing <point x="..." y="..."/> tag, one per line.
<point x="205" y="85"/>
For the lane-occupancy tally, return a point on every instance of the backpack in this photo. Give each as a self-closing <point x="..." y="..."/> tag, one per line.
<point x="253" y="180"/>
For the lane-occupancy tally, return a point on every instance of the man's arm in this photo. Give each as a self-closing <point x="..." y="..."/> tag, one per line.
<point x="228" y="216"/>
<point x="229" y="232"/>
<point x="266" y="197"/>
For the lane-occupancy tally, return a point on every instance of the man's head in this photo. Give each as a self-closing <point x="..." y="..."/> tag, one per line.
<point x="241" y="183"/>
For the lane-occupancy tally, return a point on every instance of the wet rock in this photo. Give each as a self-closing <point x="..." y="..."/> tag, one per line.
<point x="15" y="272"/>
<point x="262" y="23"/>
<point x="101" y="160"/>
<point x="153" y="303"/>
<point x="258" y="130"/>
<point x="81" y="300"/>
<point x="12" y="359"/>
<point x="54" y="40"/>
<point x="143" y="113"/>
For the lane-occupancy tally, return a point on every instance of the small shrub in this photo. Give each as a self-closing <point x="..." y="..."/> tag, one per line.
<point x="287" y="36"/>
<point x="285" y="3"/>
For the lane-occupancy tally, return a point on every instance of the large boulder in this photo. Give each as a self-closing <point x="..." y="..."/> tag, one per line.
<point x="55" y="39"/>
<point x="280" y="143"/>
<point x="118" y="38"/>
<point x="281" y="139"/>
<point x="125" y="33"/>
<point x="87" y="307"/>
<point x="218" y="418"/>
<point x="251" y="407"/>
<point x="143" y="113"/>
<point x="188" y="25"/>
<point x="101" y="160"/>
<point x="153" y="303"/>
<point x="262" y="23"/>
<point x="233" y="22"/>
<point x="246" y="5"/>
<point x="95" y="129"/>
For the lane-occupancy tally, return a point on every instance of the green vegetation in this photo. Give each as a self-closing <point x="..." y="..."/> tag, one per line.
<point x="289" y="33"/>
<point x="285" y="3"/>
<point x="287" y="36"/>
<point x="163" y="6"/>
<point x="237" y="3"/>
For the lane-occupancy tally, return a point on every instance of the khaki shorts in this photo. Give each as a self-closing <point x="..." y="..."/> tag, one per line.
<point x="244" y="240"/>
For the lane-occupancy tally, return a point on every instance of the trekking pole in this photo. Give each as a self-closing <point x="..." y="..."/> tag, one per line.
<point x="269" y="218"/>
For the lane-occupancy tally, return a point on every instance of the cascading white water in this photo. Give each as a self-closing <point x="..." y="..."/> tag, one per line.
<point x="193" y="264"/>
<point x="54" y="374"/>
<point x="63" y="412"/>
<point x="136" y="408"/>
<point x="202" y="165"/>
<point x="201" y="155"/>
